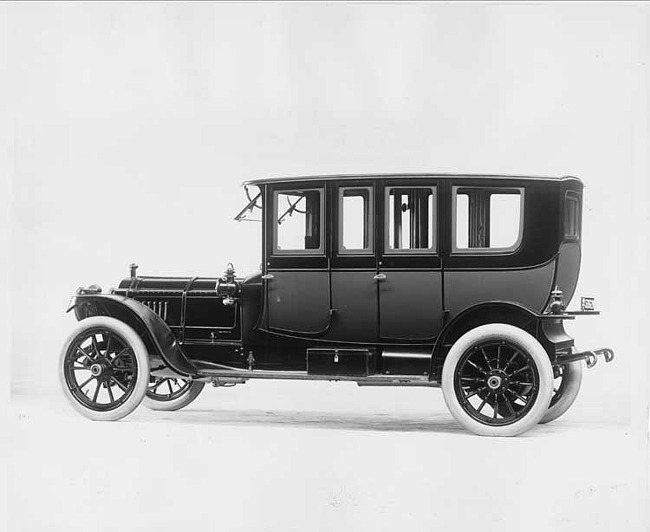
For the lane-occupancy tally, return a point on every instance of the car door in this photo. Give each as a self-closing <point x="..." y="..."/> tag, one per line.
<point x="296" y="275"/>
<point x="410" y="273"/>
<point x="354" y="262"/>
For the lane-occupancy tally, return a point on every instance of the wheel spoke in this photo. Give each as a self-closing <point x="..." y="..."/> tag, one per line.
<point x="124" y="388"/>
<point x="495" y="407"/>
<point x="86" y="382"/>
<point x="169" y="385"/>
<point x="95" y="346"/>
<point x="76" y="368"/>
<point x="159" y="381"/>
<point x="96" y="392"/>
<point x="511" y="359"/>
<point x="124" y="351"/>
<point x="84" y="353"/>
<point x="523" y="368"/>
<point x="482" y="405"/>
<point x="498" y="356"/>
<point x="110" y="392"/>
<point x="476" y="367"/>
<point x="522" y="399"/>
<point x="519" y="383"/>
<point x="487" y="360"/>
<point x="474" y="392"/>
<point x="509" y="405"/>
<point x="109" y="337"/>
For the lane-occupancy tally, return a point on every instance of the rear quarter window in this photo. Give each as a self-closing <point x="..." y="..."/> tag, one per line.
<point x="572" y="215"/>
<point x="487" y="220"/>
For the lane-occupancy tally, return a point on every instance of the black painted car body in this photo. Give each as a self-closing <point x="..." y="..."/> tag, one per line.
<point x="371" y="279"/>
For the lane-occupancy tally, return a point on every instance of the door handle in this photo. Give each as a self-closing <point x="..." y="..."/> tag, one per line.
<point x="380" y="277"/>
<point x="268" y="276"/>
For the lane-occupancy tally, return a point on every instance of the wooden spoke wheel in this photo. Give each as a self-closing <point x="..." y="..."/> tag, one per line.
<point x="170" y="393"/>
<point x="104" y="368"/>
<point x="497" y="380"/>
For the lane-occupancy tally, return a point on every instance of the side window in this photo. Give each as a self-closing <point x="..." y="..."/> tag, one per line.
<point x="355" y="220"/>
<point x="487" y="219"/>
<point x="410" y="214"/>
<point x="298" y="221"/>
<point x="572" y="215"/>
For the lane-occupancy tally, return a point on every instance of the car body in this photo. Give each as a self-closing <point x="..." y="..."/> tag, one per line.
<point x="385" y="280"/>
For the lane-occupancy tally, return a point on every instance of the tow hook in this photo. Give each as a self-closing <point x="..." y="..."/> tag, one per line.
<point x="590" y="356"/>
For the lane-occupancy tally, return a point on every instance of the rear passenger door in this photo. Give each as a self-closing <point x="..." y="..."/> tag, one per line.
<point x="409" y="277"/>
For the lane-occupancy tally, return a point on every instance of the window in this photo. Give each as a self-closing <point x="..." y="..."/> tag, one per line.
<point x="298" y="221"/>
<point x="410" y="214"/>
<point x="487" y="219"/>
<point x="355" y="220"/>
<point x="572" y="215"/>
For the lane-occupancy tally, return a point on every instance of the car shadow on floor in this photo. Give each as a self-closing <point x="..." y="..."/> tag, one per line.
<point x="320" y="420"/>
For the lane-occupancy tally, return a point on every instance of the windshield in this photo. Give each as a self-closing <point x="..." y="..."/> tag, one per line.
<point x="249" y="212"/>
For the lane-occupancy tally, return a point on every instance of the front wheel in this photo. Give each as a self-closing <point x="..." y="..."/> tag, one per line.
<point x="104" y="368"/>
<point x="497" y="380"/>
<point x="169" y="393"/>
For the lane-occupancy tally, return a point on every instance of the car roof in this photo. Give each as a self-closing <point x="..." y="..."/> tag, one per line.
<point x="351" y="177"/>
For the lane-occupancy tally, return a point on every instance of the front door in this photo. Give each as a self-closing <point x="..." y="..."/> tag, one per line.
<point x="297" y="271"/>
<point x="410" y="284"/>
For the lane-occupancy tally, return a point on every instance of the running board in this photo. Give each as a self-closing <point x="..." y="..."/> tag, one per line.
<point x="373" y="380"/>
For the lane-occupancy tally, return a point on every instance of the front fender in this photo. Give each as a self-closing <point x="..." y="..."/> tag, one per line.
<point x="157" y="336"/>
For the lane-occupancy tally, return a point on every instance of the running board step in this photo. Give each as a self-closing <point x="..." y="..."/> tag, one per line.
<point x="373" y="380"/>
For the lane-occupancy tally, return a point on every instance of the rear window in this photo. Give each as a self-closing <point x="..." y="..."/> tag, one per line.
<point x="572" y="215"/>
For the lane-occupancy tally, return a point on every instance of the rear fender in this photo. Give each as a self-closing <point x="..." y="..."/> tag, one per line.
<point x="481" y="314"/>
<point x="157" y="336"/>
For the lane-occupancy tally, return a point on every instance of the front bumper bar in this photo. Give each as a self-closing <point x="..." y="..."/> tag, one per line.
<point x="590" y="356"/>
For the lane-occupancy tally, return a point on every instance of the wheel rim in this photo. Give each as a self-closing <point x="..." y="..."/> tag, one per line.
<point x="167" y="388"/>
<point x="100" y="369"/>
<point x="496" y="383"/>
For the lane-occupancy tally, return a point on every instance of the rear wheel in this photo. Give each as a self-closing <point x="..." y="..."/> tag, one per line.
<point x="565" y="391"/>
<point x="169" y="393"/>
<point x="497" y="380"/>
<point x="104" y="368"/>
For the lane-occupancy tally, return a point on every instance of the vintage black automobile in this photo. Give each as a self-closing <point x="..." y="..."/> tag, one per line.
<point x="452" y="281"/>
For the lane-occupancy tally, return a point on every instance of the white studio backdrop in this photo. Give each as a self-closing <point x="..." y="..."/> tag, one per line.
<point x="132" y="126"/>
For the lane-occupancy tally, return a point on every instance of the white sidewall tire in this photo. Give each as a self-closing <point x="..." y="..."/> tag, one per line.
<point x="196" y="387"/>
<point x="523" y="340"/>
<point x="141" y="357"/>
<point x="573" y="375"/>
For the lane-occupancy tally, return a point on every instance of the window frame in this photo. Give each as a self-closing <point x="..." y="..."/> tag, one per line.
<point x="433" y="250"/>
<point x="370" y="222"/>
<point x="509" y="250"/>
<point x="572" y="196"/>
<point x="275" y="251"/>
